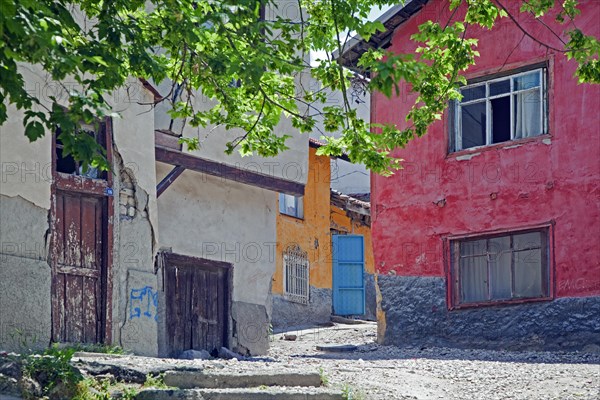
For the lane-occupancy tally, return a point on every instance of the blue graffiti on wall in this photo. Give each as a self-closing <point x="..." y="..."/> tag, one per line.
<point x="144" y="302"/>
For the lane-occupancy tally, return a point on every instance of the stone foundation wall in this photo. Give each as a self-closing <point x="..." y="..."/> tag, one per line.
<point x="416" y="314"/>
<point x="24" y="276"/>
<point x="289" y="315"/>
<point x="370" y="298"/>
<point x="250" y="330"/>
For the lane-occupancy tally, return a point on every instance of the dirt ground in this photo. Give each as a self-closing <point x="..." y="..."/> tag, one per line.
<point x="388" y="372"/>
<point x="374" y="372"/>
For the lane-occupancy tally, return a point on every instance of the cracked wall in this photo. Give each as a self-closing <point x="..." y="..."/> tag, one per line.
<point x="135" y="282"/>
<point x="25" y="203"/>
<point x="25" y="277"/>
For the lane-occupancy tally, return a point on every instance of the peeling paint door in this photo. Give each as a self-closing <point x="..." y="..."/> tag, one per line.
<point x="348" y="275"/>
<point x="197" y="297"/>
<point x="78" y="267"/>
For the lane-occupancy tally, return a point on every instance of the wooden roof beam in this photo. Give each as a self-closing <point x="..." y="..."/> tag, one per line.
<point x="169" y="179"/>
<point x="221" y="170"/>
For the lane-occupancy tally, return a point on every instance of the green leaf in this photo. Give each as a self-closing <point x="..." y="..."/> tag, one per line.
<point x="34" y="130"/>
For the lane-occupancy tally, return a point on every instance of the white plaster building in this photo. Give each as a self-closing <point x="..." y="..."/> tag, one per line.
<point x="107" y="260"/>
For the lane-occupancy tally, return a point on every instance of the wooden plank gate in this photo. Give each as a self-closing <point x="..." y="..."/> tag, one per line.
<point x="197" y="303"/>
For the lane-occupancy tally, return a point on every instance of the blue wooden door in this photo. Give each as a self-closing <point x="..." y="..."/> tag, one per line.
<point x="348" y="269"/>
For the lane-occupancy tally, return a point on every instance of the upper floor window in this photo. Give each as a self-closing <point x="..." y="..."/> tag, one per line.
<point x="291" y="205"/>
<point x="500" y="109"/>
<point x="500" y="268"/>
<point x="66" y="164"/>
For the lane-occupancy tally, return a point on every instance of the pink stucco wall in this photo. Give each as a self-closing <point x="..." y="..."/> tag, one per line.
<point x="553" y="178"/>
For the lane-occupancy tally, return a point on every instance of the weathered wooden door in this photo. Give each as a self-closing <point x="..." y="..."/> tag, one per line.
<point x="81" y="244"/>
<point x="197" y="299"/>
<point x="79" y="223"/>
<point x="348" y="275"/>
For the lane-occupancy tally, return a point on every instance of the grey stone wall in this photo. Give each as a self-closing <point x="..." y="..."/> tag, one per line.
<point x="370" y="298"/>
<point x="290" y="315"/>
<point x="416" y="314"/>
<point x="250" y="330"/>
<point x="25" y="277"/>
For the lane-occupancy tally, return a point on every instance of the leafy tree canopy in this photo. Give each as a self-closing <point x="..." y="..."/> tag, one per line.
<point x="208" y="44"/>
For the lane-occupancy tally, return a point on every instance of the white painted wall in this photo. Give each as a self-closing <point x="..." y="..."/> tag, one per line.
<point x="26" y="167"/>
<point x="216" y="219"/>
<point x="346" y="177"/>
<point x="291" y="164"/>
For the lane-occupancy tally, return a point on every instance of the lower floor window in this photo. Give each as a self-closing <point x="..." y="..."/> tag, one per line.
<point x="499" y="268"/>
<point x="295" y="275"/>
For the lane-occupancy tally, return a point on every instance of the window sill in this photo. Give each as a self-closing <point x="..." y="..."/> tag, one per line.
<point x="461" y="155"/>
<point x="292" y="217"/>
<point x="500" y="303"/>
<point x="296" y="299"/>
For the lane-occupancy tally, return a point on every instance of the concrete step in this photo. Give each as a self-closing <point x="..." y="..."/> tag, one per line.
<point x="245" y="379"/>
<point x="271" y="393"/>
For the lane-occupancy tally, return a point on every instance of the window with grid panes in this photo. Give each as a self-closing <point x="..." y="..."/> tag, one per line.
<point x="500" y="110"/>
<point x="500" y="268"/>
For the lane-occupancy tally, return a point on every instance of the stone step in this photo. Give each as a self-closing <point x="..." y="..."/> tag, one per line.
<point x="246" y="379"/>
<point x="270" y="393"/>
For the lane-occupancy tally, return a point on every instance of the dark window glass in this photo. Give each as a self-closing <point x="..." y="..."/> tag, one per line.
<point x="473" y="93"/>
<point x="500" y="119"/>
<point x="65" y="164"/>
<point x="501" y="87"/>
<point x="473" y="125"/>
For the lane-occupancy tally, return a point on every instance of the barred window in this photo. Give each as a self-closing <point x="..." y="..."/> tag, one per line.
<point x="295" y="275"/>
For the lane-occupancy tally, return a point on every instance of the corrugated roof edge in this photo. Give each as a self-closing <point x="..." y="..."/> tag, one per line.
<point x="391" y="19"/>
<point x="357" y="210"/>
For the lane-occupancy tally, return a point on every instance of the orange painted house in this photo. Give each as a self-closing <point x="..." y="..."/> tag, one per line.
<point x="303" y="284"/>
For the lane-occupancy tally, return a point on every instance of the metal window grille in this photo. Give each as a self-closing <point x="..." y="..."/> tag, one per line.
<point x="296" y="274"/>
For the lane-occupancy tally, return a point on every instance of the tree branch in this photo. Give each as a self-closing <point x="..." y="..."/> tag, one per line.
<point x="529" y="35"/>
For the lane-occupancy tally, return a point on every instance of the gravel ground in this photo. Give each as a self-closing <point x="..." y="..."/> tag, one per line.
<point x="388" y="372"/>
<point x="374" y="372"/>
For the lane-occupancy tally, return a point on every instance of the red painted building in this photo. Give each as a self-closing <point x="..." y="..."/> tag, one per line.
<point x="489" y="237"/>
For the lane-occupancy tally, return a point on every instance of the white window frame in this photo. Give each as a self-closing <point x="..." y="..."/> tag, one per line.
<point x="296" y="275"/>
<point x="459" y="104"/>
<point x="298" y="205"/>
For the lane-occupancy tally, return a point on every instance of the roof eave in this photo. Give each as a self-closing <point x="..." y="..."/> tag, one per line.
<point x="391" y="19"/>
